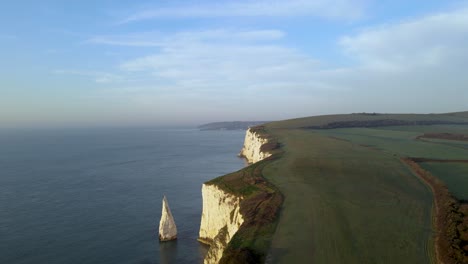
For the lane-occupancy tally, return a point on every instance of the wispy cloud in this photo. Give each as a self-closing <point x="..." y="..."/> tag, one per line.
<point x="222" y="66"/>
<point x="335" y="9"/>
<point x="98" y="77"/>
<point x="432" y="41"/>
<point x="419" y="64"/>
<point x="217" y="59"/>
<point x="211" y="61"/>
<point x="158" y="39"/>
<point x="201" y="69"/>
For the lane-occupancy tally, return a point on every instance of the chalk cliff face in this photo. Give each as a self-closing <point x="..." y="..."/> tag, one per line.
<point x="220" y="220"/>
<point x="252" y="147"/>
<point x="167" y="226"/>
<point x="221" y="217"/>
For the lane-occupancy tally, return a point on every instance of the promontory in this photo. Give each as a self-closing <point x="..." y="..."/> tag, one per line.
<point x="353" y="188"/>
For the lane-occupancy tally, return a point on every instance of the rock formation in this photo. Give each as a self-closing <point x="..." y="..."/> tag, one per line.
<point x="167" y="226"/>
<point x="221" y="217"/>
<point x="252" y="147"/>
<point x="220" y="220"/>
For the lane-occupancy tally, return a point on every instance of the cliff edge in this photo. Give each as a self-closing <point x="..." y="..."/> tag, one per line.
<point x="220" y="220"/>
<point x="239" y="206"/>
<point x="258" y="145"/>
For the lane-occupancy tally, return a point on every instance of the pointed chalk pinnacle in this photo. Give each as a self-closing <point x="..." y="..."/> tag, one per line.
<point x="167" y="226"/>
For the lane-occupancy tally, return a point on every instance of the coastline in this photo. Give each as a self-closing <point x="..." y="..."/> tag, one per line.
<point x="125" y="175"/>
<point x="443" y="214"/>
<point x="259" y="205"/>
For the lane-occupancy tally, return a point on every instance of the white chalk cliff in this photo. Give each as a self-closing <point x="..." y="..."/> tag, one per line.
<point x="252" y="147"/>
<point x="220" y="220"/>
<point x="221" y="217"/>
<point x="167" y="226"/>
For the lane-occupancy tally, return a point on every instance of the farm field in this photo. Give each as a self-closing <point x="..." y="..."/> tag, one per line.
<point x="456" y="129"/>
<point x="348" y="196"/>
<point x="399" y="142"/>
<point x="454" y="175"/>
<point x="347" y="204"/>
<point x="451" y="143"/>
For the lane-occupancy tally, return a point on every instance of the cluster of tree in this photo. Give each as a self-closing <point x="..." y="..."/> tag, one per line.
<point x="383" y="122"/>
<point x="448" y="136"/>
<point x="451" y="218"/>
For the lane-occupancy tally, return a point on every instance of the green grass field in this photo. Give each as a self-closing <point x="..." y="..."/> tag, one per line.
<point x="454" y="175"/>
<point x="398" y="142"/>
<point x="326" y="119"/>
<point x="349" y="198"/>
<point x="347" y="204"/>
<point x="456" y="129"/>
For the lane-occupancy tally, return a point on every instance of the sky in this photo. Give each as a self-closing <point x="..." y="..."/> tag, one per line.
<point x="143" y="63"/>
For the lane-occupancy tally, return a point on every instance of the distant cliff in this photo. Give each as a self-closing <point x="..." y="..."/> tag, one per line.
<point x="254" y="145"/>
<point x="235" y="125"/>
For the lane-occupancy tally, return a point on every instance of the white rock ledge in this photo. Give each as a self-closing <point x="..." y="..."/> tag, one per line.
<point x="220" y="220"/>
<point x="221" y="217"/>
<point x="252" y="147"/>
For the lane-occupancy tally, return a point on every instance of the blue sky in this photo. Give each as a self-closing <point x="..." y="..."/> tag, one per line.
<point x="87" y="63"/>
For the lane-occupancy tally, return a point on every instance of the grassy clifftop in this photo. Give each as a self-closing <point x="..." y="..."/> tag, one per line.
<point x="348" y="197"/>
<point x="260" y="208"/>
<point x="361" y="119"/>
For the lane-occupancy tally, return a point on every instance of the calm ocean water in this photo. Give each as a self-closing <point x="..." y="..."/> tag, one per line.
<point x="94" y="196"/>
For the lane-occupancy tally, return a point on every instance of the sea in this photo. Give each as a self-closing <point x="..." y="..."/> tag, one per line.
<point x="95" y="195"/>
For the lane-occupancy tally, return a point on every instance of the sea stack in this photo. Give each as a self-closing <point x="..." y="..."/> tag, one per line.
<point x="167" y="226"/>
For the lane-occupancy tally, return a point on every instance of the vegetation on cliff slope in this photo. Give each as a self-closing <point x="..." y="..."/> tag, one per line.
<point x="260" y="208"/>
